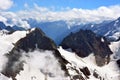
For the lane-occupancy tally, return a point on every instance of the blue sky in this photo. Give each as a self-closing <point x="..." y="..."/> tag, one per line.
<point x="58" y="4"/>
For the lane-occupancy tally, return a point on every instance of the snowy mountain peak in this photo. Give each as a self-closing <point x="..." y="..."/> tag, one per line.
<point x="48" y="62"/>
<point x="85" y="42"/>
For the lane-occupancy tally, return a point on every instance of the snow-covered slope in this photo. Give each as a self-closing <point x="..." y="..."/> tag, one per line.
<point x="108" y="72"/>
<point x="7" y="41"/>
<point x="115" y="47"/>
<point x="6" y="44"/>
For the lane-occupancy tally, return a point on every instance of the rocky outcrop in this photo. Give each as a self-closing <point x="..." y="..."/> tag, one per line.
<point x="85" y="71"/>
<point x="96" y="75"/>
<point x="85" y="42"/>
<point x="79" y="73"/>
<point x="118" y="62"/>
<point x="34" y="39"/>
<point x="118" y="39"/>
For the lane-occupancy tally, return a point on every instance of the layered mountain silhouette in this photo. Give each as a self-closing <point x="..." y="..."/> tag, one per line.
<point x="82" y="39"/>
<point x="58" y="30"/>
<point x="61" y="29"/>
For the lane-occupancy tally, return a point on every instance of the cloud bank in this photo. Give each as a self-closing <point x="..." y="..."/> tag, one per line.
<point x="84" y="15"/>
<point x="71" y="16"/>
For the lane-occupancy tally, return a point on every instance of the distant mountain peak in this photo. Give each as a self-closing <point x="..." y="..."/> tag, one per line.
<point x="2" y="25"/>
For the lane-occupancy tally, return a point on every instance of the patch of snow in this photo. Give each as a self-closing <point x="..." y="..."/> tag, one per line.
<point x="102" y="39"/>
<point x="72" y="58"/>
<point x="115" y="47"/>
<point x="107" y="33"/>
<point x="6" y="45"/>
<point x="92" y="26"/>
<point x="115" y="35"/>
<point x="7" y="41"/>
<point x="3" y="32"/>
<point x="2" y="77"/>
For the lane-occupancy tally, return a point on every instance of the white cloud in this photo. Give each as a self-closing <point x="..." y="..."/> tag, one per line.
<point x="33" y="66"/>
<point x="72" y="16"/>
<point x="26" y="5"/>
<point x="82" y="15"/>
<point x="3" y="19"/>
<point x="5" y="4"/>
<point x="11" y="19"/>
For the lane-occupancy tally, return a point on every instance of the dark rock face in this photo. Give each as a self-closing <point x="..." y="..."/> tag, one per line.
<point x="118" y="39"/>
<point x="78" y="77"/>
<point x="96" y="75"/>
<point x="85" y="71"/>
<point x="86" y="42"/>
<point x="118" y="62"/>
<point x="35" y="39"/>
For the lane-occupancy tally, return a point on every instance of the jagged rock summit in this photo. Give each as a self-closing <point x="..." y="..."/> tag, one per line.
<point x="35" y="39"/>
<point x="85" y="42"/>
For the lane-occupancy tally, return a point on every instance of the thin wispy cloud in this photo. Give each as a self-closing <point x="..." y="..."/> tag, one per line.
<point x="26" y="5"/>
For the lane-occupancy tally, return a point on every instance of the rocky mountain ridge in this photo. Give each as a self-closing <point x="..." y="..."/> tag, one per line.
<point x="37" y="39"/>
<point x="82" y="42"/>
<point x="86" y="42"/>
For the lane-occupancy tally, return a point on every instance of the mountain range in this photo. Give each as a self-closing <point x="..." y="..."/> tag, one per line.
<point x="61" y="29"/>
<point x="59" y="51"/>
